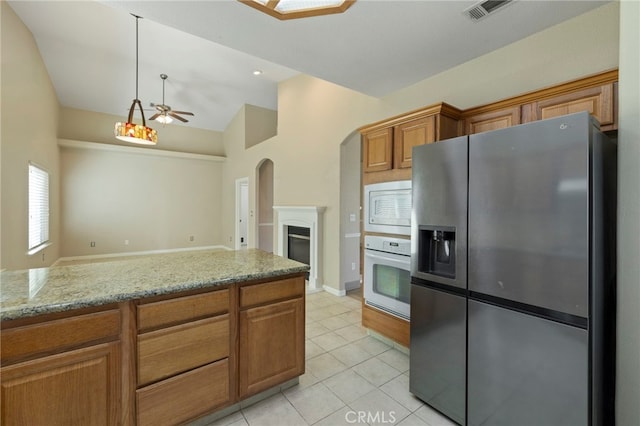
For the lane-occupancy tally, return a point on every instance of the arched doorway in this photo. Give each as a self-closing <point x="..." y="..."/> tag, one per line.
<point x="264" y="202"/>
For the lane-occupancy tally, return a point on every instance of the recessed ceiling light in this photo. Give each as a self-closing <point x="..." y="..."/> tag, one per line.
<point x="292" y="9"/>
<point x="257" y="72"/>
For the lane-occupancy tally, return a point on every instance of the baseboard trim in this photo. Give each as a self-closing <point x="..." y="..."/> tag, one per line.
<point x="333" y="291"/>
<point x="136" y="253"/>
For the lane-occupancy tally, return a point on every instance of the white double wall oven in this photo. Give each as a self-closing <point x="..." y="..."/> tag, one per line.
<point x="387" y="254"/>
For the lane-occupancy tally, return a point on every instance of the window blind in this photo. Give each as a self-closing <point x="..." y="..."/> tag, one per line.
<point x="38" y="206"/>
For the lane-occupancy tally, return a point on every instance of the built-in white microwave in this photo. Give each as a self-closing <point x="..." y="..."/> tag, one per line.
<point x="387" y="207"/>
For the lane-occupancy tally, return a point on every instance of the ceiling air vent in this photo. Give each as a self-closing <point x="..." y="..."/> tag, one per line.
<point x="484" y="8"/>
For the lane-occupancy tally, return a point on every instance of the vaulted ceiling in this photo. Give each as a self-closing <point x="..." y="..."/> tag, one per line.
<point x="209" y="49"/>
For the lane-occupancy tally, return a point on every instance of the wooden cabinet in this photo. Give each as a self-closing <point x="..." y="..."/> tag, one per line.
<point x="387" y="145"/>
<point x="492" y="120"/>
<point x="163" y="360"/>
<point x="596" y="94"/>
<point x="598" y="101"/>
<point x="413" y="133"/>
<point x="62" y="371"/>
<point x="182" y="397"/>
<point x="377" y="150"/>
<point x="183" y="349"/>
<point x="271" y="329"/>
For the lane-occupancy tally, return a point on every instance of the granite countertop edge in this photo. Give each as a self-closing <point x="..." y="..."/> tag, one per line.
<point x="30" y="310"/>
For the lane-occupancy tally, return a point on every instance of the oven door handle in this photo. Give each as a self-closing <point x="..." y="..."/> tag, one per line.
<point x="398" y="258"/>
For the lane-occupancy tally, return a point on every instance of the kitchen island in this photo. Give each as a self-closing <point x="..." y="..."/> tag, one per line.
<point x="161" y="339"/>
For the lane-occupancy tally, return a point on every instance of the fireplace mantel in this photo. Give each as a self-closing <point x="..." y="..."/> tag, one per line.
<point x="307" y="217"/>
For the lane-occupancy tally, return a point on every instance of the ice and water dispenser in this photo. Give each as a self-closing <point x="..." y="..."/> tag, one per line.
<point x="437" y="250"/>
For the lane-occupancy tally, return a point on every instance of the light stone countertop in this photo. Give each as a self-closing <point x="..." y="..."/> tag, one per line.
<point x="38" y="291"/>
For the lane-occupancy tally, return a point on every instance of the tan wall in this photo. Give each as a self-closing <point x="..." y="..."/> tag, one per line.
<point x="29" y="128"/>
<point x="260" y="124"/>
<point x="585" y="45"/>
<point x="305" y="155"/>
<point x="628" y="350"/>
<point x="90" y="126"/>
<point x="315" y="117"/>
<point x="153" y="202"/>
<point x="350" y="184"/>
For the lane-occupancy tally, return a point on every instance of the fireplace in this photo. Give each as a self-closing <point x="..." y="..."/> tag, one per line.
<point x="299" y="244"/>
<point x="299" y="236"/>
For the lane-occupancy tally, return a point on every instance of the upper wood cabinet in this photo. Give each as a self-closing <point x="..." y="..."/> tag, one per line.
<point x="387" y="145"/>
<point x="492" y="120"/>
<point x="596" y="94"/>
<point x="598" y="101"/>
<point x="413" y="133"/>
<point x="377" y="150"/>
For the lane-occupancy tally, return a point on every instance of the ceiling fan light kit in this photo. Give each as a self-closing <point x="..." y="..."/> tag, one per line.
<point x="130" y="131"/>
<point x="165" y="112"/>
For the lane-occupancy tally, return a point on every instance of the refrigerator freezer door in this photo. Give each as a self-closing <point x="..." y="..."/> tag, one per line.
<point x="529" y="214"/>
<point x="439" y="221"/>
<point x="438" y="350"/>
<point x="525" y="370"/>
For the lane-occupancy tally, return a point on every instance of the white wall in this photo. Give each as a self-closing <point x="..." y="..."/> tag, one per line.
<point x="628" y="347"/>
<point x="154" y="202"/>
<point x="29" y="127"/>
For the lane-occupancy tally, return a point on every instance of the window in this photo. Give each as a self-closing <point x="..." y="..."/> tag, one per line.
<point x="38" y="207"/>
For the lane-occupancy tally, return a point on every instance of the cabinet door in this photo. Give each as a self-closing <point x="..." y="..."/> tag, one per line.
<point x="492" y="120"/>
<point x="598" y="101"/>
<point x="377" y="150"/>
<point x="79" y="387"/>
<point x="408" y="135"/>
<point x="271" y="345"/>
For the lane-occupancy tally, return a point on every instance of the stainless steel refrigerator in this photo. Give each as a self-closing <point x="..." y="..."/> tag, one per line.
<point x="513" y="275"/>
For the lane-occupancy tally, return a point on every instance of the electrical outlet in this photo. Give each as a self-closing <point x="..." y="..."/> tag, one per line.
<point x="353" y="266"/>
<point x="92" y="244"/>
<point x="191" y="238"/>
<point x="352" y="217"/>
<point x="126" y="242"/>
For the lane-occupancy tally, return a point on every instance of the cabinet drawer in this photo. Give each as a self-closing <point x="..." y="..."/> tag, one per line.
<point x="182" y="309"/>
<point x="57" y="335"/>
<point x="184" y="397"/>
<point x="173" y="350"/>
<point x="258" y="294"/>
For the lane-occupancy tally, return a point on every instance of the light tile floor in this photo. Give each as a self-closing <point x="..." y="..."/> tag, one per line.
<point x="351" y="378"/>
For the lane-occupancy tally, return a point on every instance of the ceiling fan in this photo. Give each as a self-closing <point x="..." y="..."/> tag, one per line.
<point x="165" y="112"/>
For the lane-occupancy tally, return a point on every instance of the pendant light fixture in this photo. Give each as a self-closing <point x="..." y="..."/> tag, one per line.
<point x="129" y="131"/>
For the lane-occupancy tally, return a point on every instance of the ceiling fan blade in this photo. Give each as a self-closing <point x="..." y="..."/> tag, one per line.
<point x="154" y="116"/>
<point x="176" y="116"/>
<point x="183" y="112"/>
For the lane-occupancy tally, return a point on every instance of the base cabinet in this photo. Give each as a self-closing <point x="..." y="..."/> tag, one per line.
<point x="163" y="360"/>
<point x="271" y="345"/>
<point x="271" y="334"/>
<point x="79" y="387"/>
